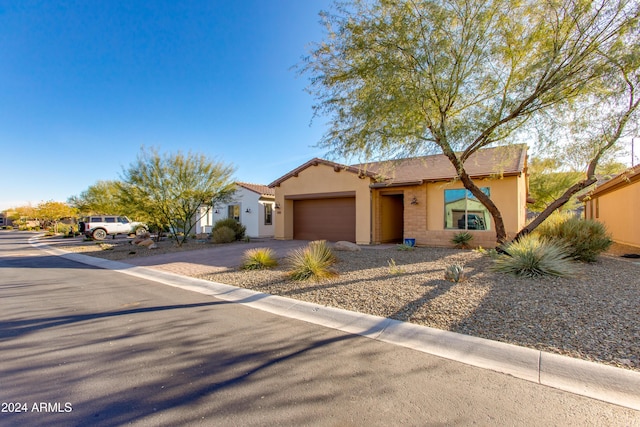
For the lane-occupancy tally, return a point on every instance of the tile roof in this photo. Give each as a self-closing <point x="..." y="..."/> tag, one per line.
<point x="625" y="178"/>
<point x="262" y="190"/>
<point x="505" y="161"/>
<point x="315" y="162"/>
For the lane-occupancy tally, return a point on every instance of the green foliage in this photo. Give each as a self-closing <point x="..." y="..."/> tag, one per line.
<point x="259" y="258"/>
<point x="455" y="273"/>
<point x="584" y="239"/>
<point x="237" y="228"/>
<point x="547" y="183"/>
<point x="50" y="213"/>
<point x="532" y="256"/>
<point x="461" y="240"/>
<point x="313" y="262"/>
<point x="491" y="252"/>
<point x="172" y="190"/>
<point x="101" y="198"/>
<point x="406" y="77"/>
<point x="223" y="235"/>
<point x="404" y="247"/>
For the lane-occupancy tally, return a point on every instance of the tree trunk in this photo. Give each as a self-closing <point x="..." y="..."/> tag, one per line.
<point x="501" y="234"/>
<point x="556" y="204"/>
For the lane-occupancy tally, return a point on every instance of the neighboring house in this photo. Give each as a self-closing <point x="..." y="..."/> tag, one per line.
<point x="252" y="206"/>
<point x="616" y="204"/>
<point x="383" y="202"/>
<point x="4" y="221"/>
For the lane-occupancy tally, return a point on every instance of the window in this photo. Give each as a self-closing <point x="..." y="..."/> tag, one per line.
<point x="464" y="212"/>
<point x="268" y="214"/>
<point x="110" y="219"/>
<point x="234" y="212"/>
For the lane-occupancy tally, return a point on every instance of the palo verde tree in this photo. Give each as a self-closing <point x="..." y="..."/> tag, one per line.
<point x="101" y="198"/>
<point x="408" y="77"/>
<point x="170" y="190"/>
<point x="50" y="213"/>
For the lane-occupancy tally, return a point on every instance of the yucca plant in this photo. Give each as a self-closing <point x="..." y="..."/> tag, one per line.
<point x="259" y="258"/>
<point x="312" y="262"/>
<point x="461" y="240"/>
<point x="532" y="256"/>
<point x="455" y="273"/>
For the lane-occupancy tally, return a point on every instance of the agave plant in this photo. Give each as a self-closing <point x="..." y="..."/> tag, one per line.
<point x="455" y="273"/>
<point x="461" y="240"/>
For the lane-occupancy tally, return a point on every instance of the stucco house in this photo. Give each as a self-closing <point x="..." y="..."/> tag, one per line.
<point x="252" y="205"/>
<point x="419" y="198"/>
<point x="616" y="204"/>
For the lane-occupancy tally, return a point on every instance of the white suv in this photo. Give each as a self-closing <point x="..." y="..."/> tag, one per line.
<point x="99" y="226"/>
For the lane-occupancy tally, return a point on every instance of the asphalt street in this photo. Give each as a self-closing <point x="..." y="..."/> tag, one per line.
<point x="88" y="346"/>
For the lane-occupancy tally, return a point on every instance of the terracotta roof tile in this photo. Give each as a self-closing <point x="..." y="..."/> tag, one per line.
<point x="262" y="190"/>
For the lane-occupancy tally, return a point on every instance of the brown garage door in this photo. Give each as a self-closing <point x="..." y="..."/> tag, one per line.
<point x="325" y="219"/>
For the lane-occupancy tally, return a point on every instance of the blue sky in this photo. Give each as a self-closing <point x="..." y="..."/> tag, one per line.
<point x="85" y="84"/>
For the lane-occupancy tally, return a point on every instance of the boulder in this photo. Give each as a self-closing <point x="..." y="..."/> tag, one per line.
<point x="138" y="239"/>
<point x="346" y="246"/>
<point x="148" y="243"/>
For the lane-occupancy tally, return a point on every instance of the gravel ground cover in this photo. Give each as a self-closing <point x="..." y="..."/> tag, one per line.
<point x="593" y="316"/>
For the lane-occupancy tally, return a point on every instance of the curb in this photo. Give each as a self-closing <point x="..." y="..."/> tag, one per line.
<point x="581" y="377"/>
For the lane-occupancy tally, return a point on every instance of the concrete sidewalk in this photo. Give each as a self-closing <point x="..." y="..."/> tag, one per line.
<point x="598" y="381"/>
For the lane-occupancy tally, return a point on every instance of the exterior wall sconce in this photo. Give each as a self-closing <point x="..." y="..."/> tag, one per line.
<point x="248" y="210"/>
<point x="217" y="211"/>
<point x="277" y="206"/>
<point x="414" y="201"/>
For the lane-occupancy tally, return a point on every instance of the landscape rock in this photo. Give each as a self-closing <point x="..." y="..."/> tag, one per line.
<point x="148" y="243"/>
<point x="346" y="246"/>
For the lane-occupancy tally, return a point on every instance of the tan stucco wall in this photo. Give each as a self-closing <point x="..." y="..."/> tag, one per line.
<point x="425" y="221"/>
<point x="323" y="180"/>
<point x="618" y="211"/>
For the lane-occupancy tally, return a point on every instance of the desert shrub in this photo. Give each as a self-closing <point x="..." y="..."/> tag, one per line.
<point x="311" y="262"/>
<point x="259" y="258"/>
<point x="223" y="235"/>
<point x="394" y="268"/>
<point x="532" y="256"/>
<point x="238" y="229"/>
<point x="461" y="240"/>
<point x="455" y="273"/>
<point x="585" y="239"/>
<point x="491" y="252"/>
